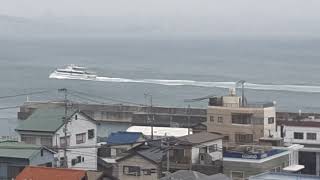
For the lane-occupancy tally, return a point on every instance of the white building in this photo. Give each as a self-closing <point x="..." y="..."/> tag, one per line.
<point x="160" y="132"/>
<point x="46" y="127"/>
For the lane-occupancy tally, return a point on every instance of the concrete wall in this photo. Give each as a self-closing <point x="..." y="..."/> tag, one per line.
<point x="229" y="129"/>
<point x="215" y="155"/>
<point x="268" y="113"/>
<point x="289" y="134"/>
<point x="81" y="125"/>
<point x="251" y="168"/>
<point x="142" y="163"/>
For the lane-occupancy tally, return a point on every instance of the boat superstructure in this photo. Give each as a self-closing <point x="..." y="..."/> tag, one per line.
<point x="73" y="71"/>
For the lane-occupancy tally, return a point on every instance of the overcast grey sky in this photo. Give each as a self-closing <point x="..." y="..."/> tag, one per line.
<point x="267" y="16"/>
<point x="233" y="8"/>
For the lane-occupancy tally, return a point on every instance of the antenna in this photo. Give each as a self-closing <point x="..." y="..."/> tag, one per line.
<point x="241" y="82"/>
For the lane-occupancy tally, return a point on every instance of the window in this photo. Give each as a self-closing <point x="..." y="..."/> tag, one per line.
<point x="298" y="135"/>
<point x="203" y="150"/>
<point x="76" y="117"/>
<point x="312" y="136"/>
<point x="81" y="138"/>
<point x="270" y="120"/>
<point x="244" y="138"/>
<point x="90" y="133"/>
<point x="211" y="118"/>
<point x="226" y="138"/>
<point x="213" y="148"/>
<point x="28" y="139"/>
<point x="237" y="175"/>
<point x="46" y="141"/>
<point x="241" y="118"/>
<point x="131" y="170"/>
<point x="64" y="142"/>
<point x="41" y="152"/>
<point x="146" y="171"/>
<point x="220" y="119"/>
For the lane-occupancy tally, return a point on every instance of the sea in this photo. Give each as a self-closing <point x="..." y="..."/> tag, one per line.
<point x="280" y="70"/>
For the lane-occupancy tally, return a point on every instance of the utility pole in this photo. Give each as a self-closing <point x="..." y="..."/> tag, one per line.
<point x="65" y="121"/>
<point x="150" y="111"/>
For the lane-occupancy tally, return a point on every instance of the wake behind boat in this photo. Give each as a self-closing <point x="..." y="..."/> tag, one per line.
<point x="73" y="72"/>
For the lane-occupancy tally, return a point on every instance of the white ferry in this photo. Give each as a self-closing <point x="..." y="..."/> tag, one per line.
<point x="73" y="71"/>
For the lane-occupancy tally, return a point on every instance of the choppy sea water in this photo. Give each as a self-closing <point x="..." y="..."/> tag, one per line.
<point x="281" y="70"/>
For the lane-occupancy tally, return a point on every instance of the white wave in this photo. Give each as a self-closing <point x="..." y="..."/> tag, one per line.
<point x="269" y="87"/>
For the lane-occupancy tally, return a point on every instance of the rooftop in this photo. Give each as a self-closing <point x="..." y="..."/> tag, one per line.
<point x="304" y="123"/>
<point x="159" y="131"/>
<point x="201" y="137"/>
<point x="124" y="137"/>
<point x="47" y="173"/>
<point x="18" y="150"/>
<point x="193" y="175"/>
<point x="44" y="120"/>
<point x="283" y="176"/>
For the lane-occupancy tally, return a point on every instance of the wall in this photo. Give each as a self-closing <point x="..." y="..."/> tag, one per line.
<point x="289" y="134"/>
<point x="269" y="112"/>
<point x="81" y="125"/>
<point x="227" y="128"/>
<point x="215" y="155"/>
<point x="251" y="168"/>
<point x="142" y="163"/>
<point x="37" y="159"/>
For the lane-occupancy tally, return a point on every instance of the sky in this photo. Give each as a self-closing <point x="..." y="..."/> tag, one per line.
<point x="298" y="16"/>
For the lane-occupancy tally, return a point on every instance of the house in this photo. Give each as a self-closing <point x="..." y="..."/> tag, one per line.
<point x="243" y="161"/>
<point x="14" y="156"/>
<point x="304" y="131"/>
<point x="39" y="173"/>
<point x="240" y="122"/>
<point x="283" y="176"/>
<point x="193" y="175"/>
<point x="46" y="127"/>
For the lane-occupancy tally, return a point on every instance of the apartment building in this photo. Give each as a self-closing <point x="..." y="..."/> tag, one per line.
<point x="240" y="122"/>
<point x="305" y="132"/>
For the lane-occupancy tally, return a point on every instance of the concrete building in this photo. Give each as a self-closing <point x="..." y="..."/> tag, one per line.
<point x="244" y="161"/>
<point x="160" y="132"/>
<point x="307" y="133"/>
<point x="240" y="123"/>
<point x="14" y="156"/>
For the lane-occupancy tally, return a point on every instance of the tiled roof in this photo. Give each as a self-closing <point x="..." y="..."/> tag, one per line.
<point x="201" y="137"/>
<point x="123" y="138"/>
<point x="18" y="150"/>
<point x="154" y="154"/>
<point x="45" y="120"/>
<point x="46" y="173"/>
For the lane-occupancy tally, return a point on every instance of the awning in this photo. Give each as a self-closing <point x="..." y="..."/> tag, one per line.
<point x="294" y="168"/>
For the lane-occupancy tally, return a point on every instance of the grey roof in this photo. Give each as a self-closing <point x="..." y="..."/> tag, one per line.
<point x="154" y="154"/>
<point x="18" y="150"/>
<point x="44" y="120"/>
<point x="201" y="137"/>
<point x="193" y="175"/>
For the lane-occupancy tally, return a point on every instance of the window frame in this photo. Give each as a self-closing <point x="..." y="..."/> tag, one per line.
<point x="270" y="120"/>
<point x="66" y="139"/>
<point x="91" y="134"/>
<point x="298" y="137"/>
<point x="83" y="140"/>
<point x="135" y="172"/>
<point x="311" y="133"/>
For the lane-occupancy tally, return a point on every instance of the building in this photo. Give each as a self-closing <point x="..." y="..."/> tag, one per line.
<point x="14" y="156"/>
<point x="240" y="122"/>
<point x="307" y="133"/>
<point x="283" y="176"/>
<point x="244" y="161"/>
<point x="160" y="132"/>
<point x="193" y="175"/>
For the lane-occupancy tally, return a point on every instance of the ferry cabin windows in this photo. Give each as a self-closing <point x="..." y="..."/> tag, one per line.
<point x="81" y="138"/>
<point x="311" y="136"/>
<point x="298" y="135"/>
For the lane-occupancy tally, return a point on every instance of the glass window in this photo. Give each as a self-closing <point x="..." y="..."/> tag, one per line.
<point x="81" y="138"/>
<point x="220" y="119"/>
<point x="46" y="141"/>
<point x="312" y="136"/>
<point x="244" y="138"/>
<point x="90" y="133"/>
<point x="64" y="142"/>
<point x="28" y="139"/>
<point x="241" y="118"/>
<point x="270" y="120"/>
<point x="213" y="148"/>
<point x="298" y="135"/>
<point x="131" y="170"/>
<point x="211" y="118"/>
